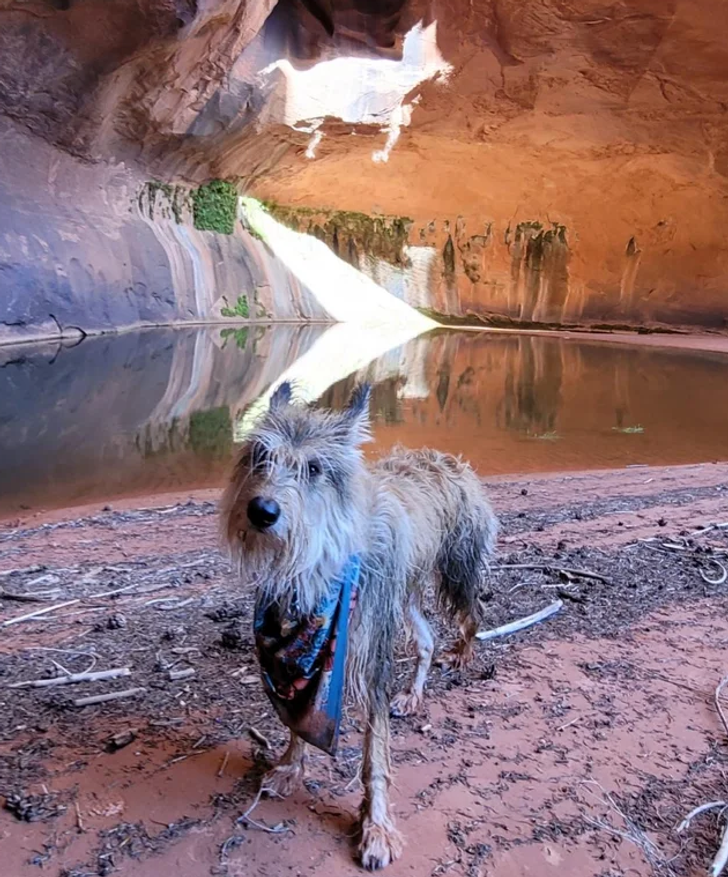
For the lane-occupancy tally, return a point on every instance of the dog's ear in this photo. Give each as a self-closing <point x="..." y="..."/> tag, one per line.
<point x="359" y="401"/>
<point x="281" y="397"/>
<point x="357" y="411"/>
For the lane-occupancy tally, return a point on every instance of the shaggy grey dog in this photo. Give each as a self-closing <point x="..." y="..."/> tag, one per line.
<point x="300" y="502"/>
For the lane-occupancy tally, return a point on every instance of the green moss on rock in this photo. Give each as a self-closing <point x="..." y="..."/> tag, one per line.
<point x="215" y="207"/>
<point x="211" y="432"/>
<point x="239" y="336"/>
<point x="348" y="232"/>
<point x="241" y="310"/>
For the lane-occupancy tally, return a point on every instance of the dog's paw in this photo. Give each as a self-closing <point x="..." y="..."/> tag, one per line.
<point x="406" y="703"/>
<point x="458" y="657"/>
<point x="283" y="780"/>
<point x="380" y="844"/>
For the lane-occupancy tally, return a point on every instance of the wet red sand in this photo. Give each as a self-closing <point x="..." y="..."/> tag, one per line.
<point x="504" y="776"/>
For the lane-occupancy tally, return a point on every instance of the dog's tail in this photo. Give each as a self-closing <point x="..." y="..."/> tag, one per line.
<point x="464" y="558"/>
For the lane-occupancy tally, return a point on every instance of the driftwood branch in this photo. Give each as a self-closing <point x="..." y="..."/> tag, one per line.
<point x="721" y="857"/>
<point x="72" y="678"/>
<point x="258" y="737"/>
<point x="105" y="698"/>
<point x="521" y="624"/>
<point x="21" y="569"/>
<point x="30" y="615"/>
<point x="547" y="567"/>
<point x="20" y="598"/>
<point x="722" y="578"/>
<point x="711" y="805"/>
<point x="721" y="685"/>
<point x="246" y="820"/>
<point x="710" y="527"/>
<point x="177" y="675"/>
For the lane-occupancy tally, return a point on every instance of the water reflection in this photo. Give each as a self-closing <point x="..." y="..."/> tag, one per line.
<point x="533" y="379"/>
<point x="162" y="410"/>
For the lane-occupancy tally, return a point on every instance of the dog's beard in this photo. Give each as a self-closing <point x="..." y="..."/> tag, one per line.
<point x="262" y="558"/>
<point x="296" y="564"/>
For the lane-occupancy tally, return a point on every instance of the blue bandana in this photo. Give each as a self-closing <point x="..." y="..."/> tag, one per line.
<point x="303" y="659"/>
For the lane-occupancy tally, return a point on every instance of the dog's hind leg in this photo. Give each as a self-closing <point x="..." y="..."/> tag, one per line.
<point x="288" y="774"/>
<point x="380" y="843"/>
<point x="462" y="653"/>
<point x="409" y="701"/>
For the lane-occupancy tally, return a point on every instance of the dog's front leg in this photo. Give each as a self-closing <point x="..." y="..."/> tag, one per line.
<point x="288" y="774"/>
<point x="409" y="701"/>
<point x="381" y="843"/>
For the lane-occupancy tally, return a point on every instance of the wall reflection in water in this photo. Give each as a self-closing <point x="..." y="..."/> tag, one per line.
<point x="158" y="410"/>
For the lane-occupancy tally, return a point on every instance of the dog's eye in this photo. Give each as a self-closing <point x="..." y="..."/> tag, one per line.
<point x="314" y="468"/>
<point x="258" y="456"/>
<point x="255" y="458"/>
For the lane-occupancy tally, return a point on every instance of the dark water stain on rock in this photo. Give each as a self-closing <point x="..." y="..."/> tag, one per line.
<point x="539" y="272"/>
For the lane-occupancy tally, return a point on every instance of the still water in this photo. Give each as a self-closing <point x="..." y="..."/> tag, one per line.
<point x="162" y="409"/>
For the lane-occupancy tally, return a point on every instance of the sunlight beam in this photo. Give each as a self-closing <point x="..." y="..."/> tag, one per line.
<point x="344" y="293"/>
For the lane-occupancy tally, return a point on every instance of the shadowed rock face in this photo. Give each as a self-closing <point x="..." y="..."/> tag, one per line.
<point x="556" y="162"/>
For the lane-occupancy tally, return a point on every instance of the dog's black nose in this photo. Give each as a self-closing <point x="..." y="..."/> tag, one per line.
<point x="263" y="513"/>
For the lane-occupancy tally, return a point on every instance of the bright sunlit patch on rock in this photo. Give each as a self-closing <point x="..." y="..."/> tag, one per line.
<point x="370" y="320"/>
<point x="316" y="138"/>
<point x="401" y="117"/>
<point x="342" y="350"/>
<point x="347" y="295"/>
<point x="369" y="91"/>
<point x="411" y="282"/>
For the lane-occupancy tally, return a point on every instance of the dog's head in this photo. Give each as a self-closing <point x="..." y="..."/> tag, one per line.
<point x="292" y="512"/>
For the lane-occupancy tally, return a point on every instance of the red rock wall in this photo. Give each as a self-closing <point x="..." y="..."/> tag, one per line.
<point x="605" y="123"/>
<point x="607" y="120"/>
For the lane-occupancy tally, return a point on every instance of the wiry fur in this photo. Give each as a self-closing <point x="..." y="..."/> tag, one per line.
<point x="415" y="517"/>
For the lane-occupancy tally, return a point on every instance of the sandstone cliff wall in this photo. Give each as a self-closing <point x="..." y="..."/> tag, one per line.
<point x="557" y="162"/>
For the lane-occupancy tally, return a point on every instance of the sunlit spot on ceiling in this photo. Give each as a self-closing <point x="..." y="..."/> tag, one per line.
<point x="369" y="91"/>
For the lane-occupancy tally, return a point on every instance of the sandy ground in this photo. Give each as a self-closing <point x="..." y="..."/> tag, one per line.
<point x="572" y="748"/>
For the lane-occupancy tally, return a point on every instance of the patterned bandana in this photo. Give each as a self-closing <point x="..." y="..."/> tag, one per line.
<point x="303" y="659"/>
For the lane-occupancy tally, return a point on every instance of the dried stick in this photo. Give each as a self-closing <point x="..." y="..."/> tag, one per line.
<point x="633" y="832"/>
<point x="721" y="685"/>
<point x="521" y="624"/>
<point x="176" y="675"/>
<point x="95" y="676"/>
<point x="546" y="567"/>
<point x="21" y="569"/>
<point x="258" y="737"/>
<point x="721" y="857"/>
<point x="709" y="528"/>
<point x="712" y="805"/>
<point x="31" y="615"/>
<point x="722" y="578"/>
<point x="20" y="598"/>
<point x="246" y="820"/>
<point x="111" y="593"/>
<point x="105" y="698"/>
